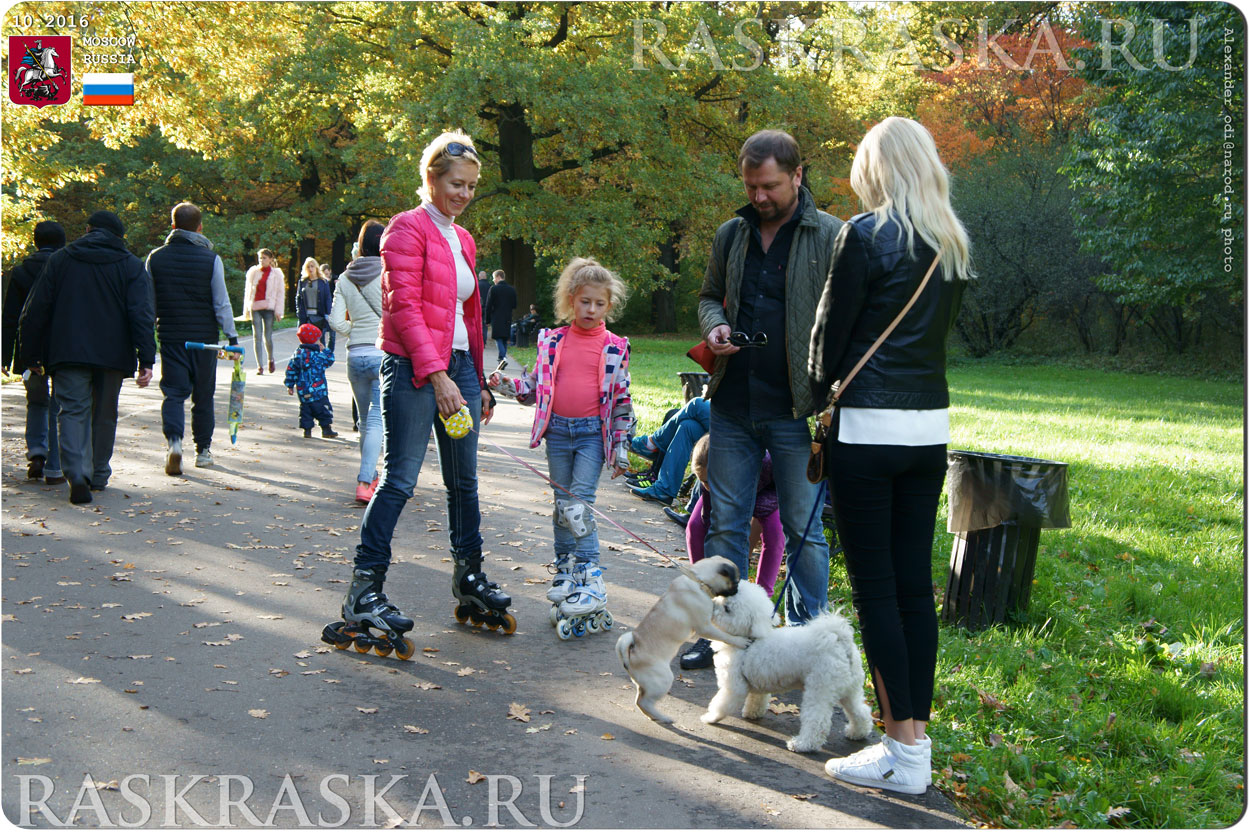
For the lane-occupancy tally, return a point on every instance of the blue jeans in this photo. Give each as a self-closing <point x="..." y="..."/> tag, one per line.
<point x="41" y="413"/>
<point x="676" y="438"/>
<point x="502" y="343"/>
<point x="574" y="460"/>
<point x="319" y="411"/>
<point x="364" y="374"/>
<point x="87" y="425"/>
<point x="737" y="448"/>
<point x="408" y="415"/>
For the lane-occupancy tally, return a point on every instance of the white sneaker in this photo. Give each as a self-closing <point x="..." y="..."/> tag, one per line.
<point x="589" y="595"/>
<point x="173" y="459"/>
<point x="204" y="459"/>
<point x="887" y="765"/>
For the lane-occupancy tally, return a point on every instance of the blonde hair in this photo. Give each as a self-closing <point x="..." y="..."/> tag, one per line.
<point x="310" y="265"/>
<point x="586" y="271"/>
<point x="698" y="458"/>
<point x="436" y="161"/>
<point x="897" y="174"/>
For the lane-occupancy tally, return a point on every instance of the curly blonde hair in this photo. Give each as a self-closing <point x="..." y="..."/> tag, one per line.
<point x="586" y="271"/>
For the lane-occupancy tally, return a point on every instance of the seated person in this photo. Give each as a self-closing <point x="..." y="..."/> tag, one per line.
<point x="675" y="439"/>
<point x="526" y="327"/>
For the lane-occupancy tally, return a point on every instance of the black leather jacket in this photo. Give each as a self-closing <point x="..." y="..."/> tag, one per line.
<point x="870" y="282"/>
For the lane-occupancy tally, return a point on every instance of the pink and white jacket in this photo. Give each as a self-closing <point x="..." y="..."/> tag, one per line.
<point x="419" y="295"/>
<point x="616" y="408"/>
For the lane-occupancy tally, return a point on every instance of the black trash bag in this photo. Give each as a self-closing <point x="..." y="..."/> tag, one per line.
<point x="987" y="490"/>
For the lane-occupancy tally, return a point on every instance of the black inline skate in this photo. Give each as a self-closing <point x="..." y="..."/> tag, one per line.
<point x="367" y="608"/>
<point x="478" y="599"/>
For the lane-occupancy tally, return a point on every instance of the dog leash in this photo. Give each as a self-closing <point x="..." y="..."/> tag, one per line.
<point x="785" y="585"/>
<point x="683" y="567"/>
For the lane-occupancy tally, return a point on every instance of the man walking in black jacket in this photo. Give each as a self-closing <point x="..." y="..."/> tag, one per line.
<point x="87" y="320"/>
<point x="500" y="302"/>
<point x="43" y="455"/>
<point x="189" y="287"/>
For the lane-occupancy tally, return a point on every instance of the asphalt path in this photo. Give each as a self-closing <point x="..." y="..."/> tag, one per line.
<point x="162" y="662"/>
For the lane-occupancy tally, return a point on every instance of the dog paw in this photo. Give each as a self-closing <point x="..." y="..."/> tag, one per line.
<point x="710" y="718"/>
<point x="801" y="747"/>
<point x="853" y="733"/>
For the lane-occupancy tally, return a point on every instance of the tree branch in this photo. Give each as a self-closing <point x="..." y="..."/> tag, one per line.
<point x="572" y="164"/>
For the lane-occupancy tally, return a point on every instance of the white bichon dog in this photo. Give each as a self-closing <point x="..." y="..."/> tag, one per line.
<point x="820" y="658"/>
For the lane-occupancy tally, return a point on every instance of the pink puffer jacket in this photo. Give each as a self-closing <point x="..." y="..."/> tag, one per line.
<point x="419" y="295"/>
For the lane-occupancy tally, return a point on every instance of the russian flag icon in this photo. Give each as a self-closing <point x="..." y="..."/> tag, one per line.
<point x="108" y="88"/>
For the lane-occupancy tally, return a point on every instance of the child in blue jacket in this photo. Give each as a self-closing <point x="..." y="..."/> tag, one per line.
<point x="306" y="372"/>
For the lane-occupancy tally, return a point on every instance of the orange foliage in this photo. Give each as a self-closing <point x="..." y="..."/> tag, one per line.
<point x="1033" y="92"/>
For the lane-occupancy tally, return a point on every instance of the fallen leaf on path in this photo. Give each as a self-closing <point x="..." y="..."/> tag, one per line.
<point x="303" y="654"/>
<point x="427" y="686"/>
<point x="607" y="737"/>
<point x="571" y="731"/>
<point x="33" y="761"/>
<point x="83" y="680"/>
<point x="204" y="624"/>
<point x="277" y="671"/>
<point x="535" y="729"/>
<point x="412" y="729"/>
<point x="465" y="671"/>
<point x="269" y="617"/>
<point x="367" y="710"/>
<point x="474" y="776"/>
<point x="102" y="786"/>
<point x="23" y="671"/>
<point x="803" y="796"/>
<point x="782" y="708"/>
<point x="518" y="712"/>
<point x="135" y="616"/>
<point x="259" y="713"/>
<point x="429" y="649"/>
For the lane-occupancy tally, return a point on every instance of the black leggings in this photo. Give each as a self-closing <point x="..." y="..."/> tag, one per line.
<point x="886" y="498"/>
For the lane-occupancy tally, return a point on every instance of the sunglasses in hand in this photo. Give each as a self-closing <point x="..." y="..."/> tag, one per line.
<point x="741" y="339"/>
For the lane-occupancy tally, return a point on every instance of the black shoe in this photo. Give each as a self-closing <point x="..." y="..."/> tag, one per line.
<point x="356" y="427"/>
<point x="34" y="467"/>
<point x="308" y="433"/>
<point x="639" y="480"/>
<point x="649" y="495"/>
<point x="697" y="657"/>
<point x="54" y="480"/>
<point x="79" y="492"/>
<point x="676" y="516"/>
<point x="327" y="432"/>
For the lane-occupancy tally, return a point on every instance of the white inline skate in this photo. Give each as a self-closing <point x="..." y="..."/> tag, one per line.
<point x="585" y="610"/>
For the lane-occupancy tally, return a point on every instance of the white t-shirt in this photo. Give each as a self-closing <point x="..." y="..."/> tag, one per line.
<point x="466" y="283"/>
<point x="882" y="426"/>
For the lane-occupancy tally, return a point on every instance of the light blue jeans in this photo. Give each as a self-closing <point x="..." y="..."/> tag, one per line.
<point x="574" y="460"/>
<point x="364" y="373"/>
<point x="408" y="415"/>
<point x="734" y="456"/>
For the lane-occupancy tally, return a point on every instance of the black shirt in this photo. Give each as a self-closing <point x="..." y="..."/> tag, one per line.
<point x="756" y="385"/>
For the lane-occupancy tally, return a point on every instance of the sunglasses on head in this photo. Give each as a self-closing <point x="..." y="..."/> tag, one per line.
<point x="741" y="339"/>
<point x="458" y="149"/>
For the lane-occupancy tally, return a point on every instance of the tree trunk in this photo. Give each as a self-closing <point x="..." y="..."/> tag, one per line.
<point x="516" y="164"/>
<point x="338" y="254"/>
<point x="663" y="301"/>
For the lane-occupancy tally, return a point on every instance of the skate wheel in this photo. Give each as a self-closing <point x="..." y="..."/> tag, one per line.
<point x="382" y="649"/>
<point x="405" y="649"/>
<point x="362" y="646"/>
<point x="554" y="615"/>
<point x="607" y="620"/>
<point x="592" y="626"/>
<point x="579" y="629"/>
<point x="509" y="624"/>
<point x="564" y="630"/>
<point x="343" y="645"/>
<point x="461" y="613"/>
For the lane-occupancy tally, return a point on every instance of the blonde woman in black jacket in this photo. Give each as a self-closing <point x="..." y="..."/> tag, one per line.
<point x="887" y="451"/>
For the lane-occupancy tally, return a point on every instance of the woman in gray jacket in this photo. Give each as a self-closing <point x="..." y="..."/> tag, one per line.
<point x="356" y="313"/>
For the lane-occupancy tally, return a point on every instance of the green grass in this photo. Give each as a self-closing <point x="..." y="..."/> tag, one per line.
<point x="1117" y="698"/>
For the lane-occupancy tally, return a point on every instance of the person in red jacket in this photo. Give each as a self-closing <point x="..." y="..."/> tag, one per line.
<point x="431" y="334"/>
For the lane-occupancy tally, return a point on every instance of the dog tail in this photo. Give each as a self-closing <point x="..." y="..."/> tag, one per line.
<point x="624" y="645"/>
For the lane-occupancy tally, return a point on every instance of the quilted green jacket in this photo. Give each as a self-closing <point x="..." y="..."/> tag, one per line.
<point x="811" y="254"/>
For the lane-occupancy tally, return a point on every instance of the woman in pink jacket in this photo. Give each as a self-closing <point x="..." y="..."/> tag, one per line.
<point x="431" y="334"/>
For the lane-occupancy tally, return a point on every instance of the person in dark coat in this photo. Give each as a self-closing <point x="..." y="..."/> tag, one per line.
<point x="499" y="305"/>
<point x="89" y="320"/>
<point x="483" y="291"/>
<point x="189" y="287"/>
<point x="43" y="455"/>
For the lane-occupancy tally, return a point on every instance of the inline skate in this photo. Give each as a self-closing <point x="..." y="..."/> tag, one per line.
<point x="585" y="610"/>
<point x="366" y="608"/>
<point x="562" y="583"/>
<point x="478" y="599"/>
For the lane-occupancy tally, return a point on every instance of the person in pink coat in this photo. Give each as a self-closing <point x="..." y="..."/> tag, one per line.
<point x="263" y="300"/>
<point x="431" y="334"/>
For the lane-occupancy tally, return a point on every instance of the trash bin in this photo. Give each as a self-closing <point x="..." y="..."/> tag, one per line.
<point x="998" y="506"/>
<point x="692" y="384"/>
